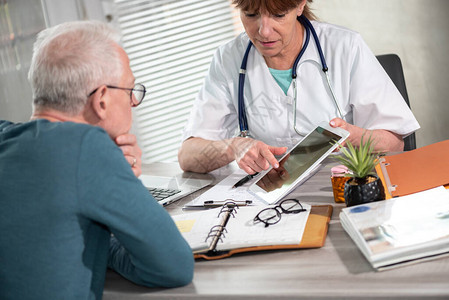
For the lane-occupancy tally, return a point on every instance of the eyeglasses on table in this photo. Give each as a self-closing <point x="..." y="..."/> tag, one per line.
<point x="272" y="215"/>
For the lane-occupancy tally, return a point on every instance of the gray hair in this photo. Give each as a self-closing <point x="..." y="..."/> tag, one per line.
<point x="69" y="61"/>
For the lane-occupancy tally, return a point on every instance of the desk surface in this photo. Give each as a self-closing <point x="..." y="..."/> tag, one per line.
<point x="337" y="270"/>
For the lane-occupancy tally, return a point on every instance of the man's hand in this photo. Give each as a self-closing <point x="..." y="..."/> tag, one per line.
<point x="254" y="156"/>
<point x="132" y="152"/>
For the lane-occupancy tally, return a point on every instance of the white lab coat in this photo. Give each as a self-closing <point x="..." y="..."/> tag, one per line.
<point x="366" y="95"/>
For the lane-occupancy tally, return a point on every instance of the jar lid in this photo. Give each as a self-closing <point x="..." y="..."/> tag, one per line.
<point x="339" y="170"/>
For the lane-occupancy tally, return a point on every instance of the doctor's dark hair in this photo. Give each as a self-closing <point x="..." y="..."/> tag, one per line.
<point x="274" y="6"/>
<point x="69" y="61"/>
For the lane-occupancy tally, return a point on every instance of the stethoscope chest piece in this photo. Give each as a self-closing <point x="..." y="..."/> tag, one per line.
<point x="244" y="134"/>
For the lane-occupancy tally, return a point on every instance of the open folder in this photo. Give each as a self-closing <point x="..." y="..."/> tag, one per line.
<point x="294" y="231"/>
<point x="415" y="171"/>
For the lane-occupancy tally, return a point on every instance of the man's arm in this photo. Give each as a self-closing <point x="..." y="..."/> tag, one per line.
<point x="202" y="156"/>
<point x="384" y="140"/>
<point x="147" y="247"/>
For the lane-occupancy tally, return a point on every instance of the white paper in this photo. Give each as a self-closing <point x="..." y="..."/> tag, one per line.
<point x="241" y="230"/>
<point x="223" y="191"/>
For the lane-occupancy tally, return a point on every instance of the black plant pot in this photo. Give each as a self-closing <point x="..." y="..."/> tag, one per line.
<point x="365" y="193"/>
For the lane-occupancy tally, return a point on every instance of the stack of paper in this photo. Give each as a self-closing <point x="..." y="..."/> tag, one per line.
<point x="401" y="230"/>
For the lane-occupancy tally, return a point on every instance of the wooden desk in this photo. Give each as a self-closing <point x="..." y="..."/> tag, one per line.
<point x="337" y="270"/>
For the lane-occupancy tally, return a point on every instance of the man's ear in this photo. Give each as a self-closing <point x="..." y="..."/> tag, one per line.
<point x="99" y="102"/>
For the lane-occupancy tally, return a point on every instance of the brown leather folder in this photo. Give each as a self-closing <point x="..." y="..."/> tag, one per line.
<point x="417" y="170"/>
<point x="314" y="235"/>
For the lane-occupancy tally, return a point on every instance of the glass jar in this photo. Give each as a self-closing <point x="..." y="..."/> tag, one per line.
<point x="338" y="180"/>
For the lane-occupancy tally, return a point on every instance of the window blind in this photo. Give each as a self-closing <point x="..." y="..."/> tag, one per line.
<point x="170" y="45"/>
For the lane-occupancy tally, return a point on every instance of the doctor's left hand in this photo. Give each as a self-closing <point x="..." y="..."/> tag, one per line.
<point x="384" y="140"/>
<point x="355" y="133"/>
<point x="255" y="156"/>
<point x="132" y="152"/>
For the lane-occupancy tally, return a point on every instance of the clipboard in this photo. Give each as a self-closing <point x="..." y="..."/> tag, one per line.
<point x="314" y="235"/>
<point x="415" y="171"/>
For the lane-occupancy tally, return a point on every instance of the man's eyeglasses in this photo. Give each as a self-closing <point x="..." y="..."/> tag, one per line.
<point x="138" y="91"/>
<point x="272" y="215"/>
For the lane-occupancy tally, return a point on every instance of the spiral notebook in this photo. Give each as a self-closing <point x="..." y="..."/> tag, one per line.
<point x="221" y="232"/>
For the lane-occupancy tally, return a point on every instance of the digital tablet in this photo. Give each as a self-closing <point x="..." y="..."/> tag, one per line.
<point x="298" y="163"/>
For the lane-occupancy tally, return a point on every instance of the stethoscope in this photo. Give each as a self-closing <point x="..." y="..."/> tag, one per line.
<point x="243" y="122"/>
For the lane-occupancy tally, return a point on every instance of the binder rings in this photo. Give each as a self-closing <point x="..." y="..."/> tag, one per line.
<point x="313" y="232"/>
<point x="415" y="171"/>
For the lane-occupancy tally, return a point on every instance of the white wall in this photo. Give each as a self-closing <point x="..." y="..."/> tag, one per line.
<point x="416" y="30"/>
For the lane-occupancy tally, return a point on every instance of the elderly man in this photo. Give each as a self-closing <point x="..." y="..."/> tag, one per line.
<point x="71" y="203"/>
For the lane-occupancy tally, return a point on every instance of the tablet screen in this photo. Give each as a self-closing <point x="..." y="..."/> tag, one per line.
<point x="297" y="164"/>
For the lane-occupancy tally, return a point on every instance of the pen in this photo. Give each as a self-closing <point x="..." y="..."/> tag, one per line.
<point x="245" y="180"/>
<point x="212" y="203"/>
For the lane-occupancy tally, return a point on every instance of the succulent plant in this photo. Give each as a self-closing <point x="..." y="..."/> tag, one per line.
<point x="360" y="160"/>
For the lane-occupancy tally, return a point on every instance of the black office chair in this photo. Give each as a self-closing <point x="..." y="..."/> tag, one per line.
<point x="393" y="66"/>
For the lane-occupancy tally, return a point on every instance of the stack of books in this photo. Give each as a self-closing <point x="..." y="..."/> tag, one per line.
<point x="401" y="230"/>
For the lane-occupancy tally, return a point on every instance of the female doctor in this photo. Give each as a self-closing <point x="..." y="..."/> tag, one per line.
<point x="282" y="57"/>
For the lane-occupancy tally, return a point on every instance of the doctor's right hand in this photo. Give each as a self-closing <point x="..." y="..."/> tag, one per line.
<point x="254" y="156"/>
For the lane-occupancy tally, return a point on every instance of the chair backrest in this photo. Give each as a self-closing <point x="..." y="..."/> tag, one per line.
<point x="393" y="66"/>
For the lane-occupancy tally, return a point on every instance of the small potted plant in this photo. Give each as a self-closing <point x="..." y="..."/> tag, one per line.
<point x="364" y="186"/>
